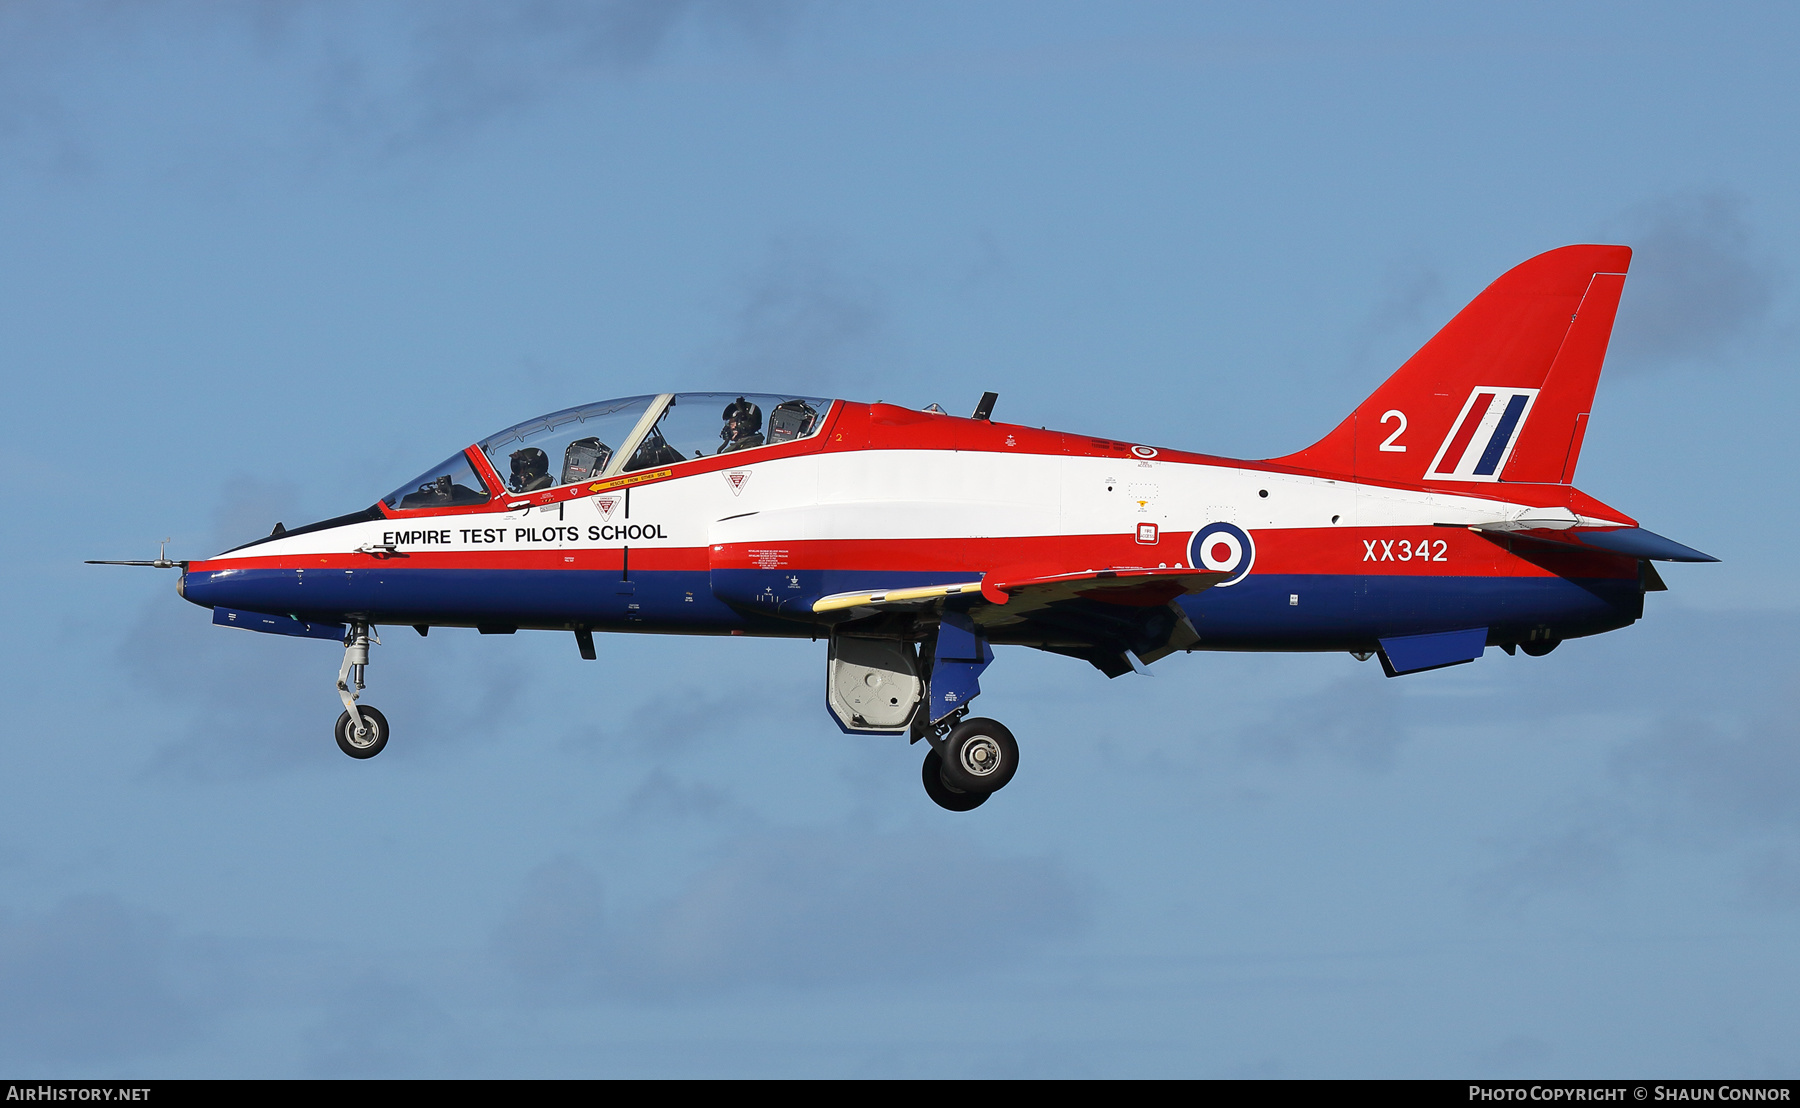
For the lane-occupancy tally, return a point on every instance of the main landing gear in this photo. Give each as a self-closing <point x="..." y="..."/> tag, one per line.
<point x="362" y="731"/>
<point x="970" y="759"/>
<point x="878" y="683"/>
<point x="968" y="762"/>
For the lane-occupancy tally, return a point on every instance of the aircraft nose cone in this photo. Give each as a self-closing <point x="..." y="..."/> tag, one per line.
<point x="207" y="588"/>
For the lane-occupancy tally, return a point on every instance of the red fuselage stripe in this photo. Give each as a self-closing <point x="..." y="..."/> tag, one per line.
<point x="1384" y="551"/>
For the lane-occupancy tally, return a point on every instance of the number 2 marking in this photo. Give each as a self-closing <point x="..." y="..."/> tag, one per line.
<point x="1387" y="444"/>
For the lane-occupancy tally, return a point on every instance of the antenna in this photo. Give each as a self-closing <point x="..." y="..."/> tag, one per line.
<point x="986" y="408"/>
<point x="162" y="560"/>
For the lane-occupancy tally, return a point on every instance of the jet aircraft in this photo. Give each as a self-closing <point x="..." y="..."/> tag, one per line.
<point x="1438" y="519"/>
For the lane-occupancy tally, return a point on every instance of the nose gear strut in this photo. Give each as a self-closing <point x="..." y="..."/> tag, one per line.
<point x="362" y="731"/>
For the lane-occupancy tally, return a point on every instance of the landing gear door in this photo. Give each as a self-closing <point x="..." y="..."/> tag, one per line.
<point x="872" y="686"/>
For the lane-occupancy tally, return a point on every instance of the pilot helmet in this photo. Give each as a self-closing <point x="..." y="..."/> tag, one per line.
<point x="741" y="418"/>
<point x="528" y="464"/>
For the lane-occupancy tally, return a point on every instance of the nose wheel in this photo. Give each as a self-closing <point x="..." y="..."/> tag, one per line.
<point x="362" y="731"/>
<point x="972" y="762"/>
<point x="365" y="741"/>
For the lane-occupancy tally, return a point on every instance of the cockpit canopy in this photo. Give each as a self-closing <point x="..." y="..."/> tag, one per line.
<point x="451" y="484"/>
<point x="615" y="436"/>
<point x="578" y="442"/>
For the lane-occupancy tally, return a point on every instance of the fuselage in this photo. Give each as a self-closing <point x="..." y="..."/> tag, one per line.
<point x="883" y="497"/>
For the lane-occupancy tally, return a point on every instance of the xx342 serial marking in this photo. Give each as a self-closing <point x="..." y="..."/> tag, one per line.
<point x="1400" y="550"/>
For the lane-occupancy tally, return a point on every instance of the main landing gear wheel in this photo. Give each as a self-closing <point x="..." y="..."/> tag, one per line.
<point x="943" y="795"/>
<point x="968" y="765"/>
<point x="979" y="756"/>
<point x="367" y="741"/>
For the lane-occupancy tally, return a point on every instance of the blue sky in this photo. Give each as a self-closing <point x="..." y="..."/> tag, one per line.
<point x="264" y="263"/>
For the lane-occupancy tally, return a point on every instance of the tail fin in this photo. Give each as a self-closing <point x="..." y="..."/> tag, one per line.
<point x="1501" y="393"/>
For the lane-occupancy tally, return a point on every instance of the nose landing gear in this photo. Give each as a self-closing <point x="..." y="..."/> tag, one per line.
<point x="362" y="731"/>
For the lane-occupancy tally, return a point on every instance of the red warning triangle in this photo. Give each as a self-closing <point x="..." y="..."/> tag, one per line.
<point x="736" y="479"/>
<point x="606" y="505"/>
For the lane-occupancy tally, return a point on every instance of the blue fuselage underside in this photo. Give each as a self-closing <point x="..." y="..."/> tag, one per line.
<point x="1278" y="612"/>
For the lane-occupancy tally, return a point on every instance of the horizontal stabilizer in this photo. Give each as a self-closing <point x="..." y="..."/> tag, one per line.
<point x="1632" y="542"/>
<point x="1416" y="653"/>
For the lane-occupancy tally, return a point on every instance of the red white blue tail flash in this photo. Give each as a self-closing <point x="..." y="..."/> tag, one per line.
<point x="1482" y="438"/>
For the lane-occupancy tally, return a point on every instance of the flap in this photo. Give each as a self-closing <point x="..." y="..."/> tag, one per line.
<point x="917" y="597"/>
<point x="1128" y="586"/>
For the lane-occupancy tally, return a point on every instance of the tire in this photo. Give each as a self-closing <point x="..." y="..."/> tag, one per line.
<point x="980" y="756"/>
<point x="367" y="747"/>
<point x="941" y="794"/>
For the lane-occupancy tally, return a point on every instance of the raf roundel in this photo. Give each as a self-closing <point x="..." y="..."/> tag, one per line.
<point x="1223" y="548"/>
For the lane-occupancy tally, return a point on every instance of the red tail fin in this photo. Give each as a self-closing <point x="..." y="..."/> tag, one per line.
<point x="1502" y="392"/>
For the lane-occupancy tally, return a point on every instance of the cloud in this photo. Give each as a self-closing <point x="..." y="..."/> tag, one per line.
<point x="1697" y="773"/>
<point x="378" y="1026"/>
<point x="462" y="63"/>
<point x="1746" y="776"/>
<point x="1771" y="881"/>
<point x="557" y="932"/>
<point x="1699" y="282"/>
<point x="88" y="980"/>
<point x="1575" y="859"/>
<point x="662" y="797"/>
<point x="1516" y="1054"/>
<point x="1358" y="719"/>
<point x="1410" y="308"/>
<point x="802" y="320"/>
<point x="682" y="718"/>
<point x="675" y="721"/>
<point x="328" y="76"/>
<point x="249" y="507"/>
<point x="1408" y="293"/>
<point x="793" y="909"/>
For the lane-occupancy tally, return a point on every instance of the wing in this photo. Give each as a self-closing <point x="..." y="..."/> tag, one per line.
<point x="1103" y="616"/>
<point x="1126" y="587"/>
